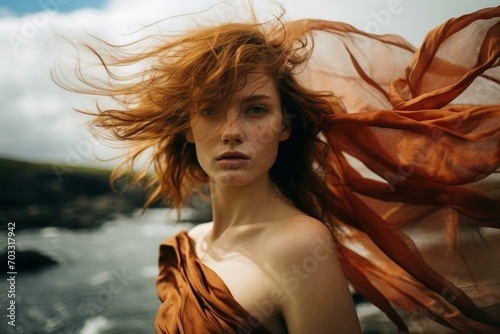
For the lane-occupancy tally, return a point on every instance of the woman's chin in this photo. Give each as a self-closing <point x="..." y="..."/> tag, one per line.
<point x="234" y="178"/>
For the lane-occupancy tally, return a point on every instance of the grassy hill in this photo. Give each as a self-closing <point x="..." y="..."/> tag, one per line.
<point x="40" y="195"/>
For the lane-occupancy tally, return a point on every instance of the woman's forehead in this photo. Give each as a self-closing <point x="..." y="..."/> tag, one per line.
<point x="256" y="83"/>
<point x="249" y="86"/>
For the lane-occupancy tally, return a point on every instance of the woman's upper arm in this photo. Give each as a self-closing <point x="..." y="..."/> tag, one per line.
<point x="318" y="299"/>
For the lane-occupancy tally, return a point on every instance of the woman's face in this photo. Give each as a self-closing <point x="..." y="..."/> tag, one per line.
<point x="239" y="145"/>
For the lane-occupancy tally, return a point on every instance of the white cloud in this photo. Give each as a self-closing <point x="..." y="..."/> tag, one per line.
<point x="36" y="117"/>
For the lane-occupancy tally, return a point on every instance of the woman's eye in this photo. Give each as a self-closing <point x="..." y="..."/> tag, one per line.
<point x="256" y="110"/>
<point x="208" y="112"/>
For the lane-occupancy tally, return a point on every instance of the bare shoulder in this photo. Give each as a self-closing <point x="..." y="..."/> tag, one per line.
<point x="300" y="244"/>
<point x="199" y="231"/>
<point x="306" y="265"/>
<point x="299" y="235"/>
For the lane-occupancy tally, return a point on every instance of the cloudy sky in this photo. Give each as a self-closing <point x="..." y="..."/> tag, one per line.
<point x="37" y="121"/>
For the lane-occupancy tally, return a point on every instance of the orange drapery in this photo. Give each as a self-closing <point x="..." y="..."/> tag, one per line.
<point x="413" y="166"/>
<point x="412" y="176"/>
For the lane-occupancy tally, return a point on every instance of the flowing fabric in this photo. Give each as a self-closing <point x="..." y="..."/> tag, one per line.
<point x="412" y="177"/>
<point x="413" y="167"/>
<point x="194" y="299"/>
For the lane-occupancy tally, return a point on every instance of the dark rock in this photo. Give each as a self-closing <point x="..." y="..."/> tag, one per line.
<point x="30" y="260"/>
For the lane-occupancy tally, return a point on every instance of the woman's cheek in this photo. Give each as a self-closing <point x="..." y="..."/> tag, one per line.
<point x="268" y="134"/>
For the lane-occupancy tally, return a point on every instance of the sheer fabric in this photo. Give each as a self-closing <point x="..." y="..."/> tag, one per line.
<point x="412" y="176"/>
<point x="413" y="167"/>
<point x="194" y="299"/>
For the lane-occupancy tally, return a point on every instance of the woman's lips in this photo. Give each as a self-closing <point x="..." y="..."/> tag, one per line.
<point x="232" y="159"/>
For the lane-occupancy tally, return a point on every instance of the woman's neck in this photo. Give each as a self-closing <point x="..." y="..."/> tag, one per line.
<point x="234" y="206"/>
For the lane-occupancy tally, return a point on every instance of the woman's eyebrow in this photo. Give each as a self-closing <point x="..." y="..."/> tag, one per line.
<point x="253" y="98"/>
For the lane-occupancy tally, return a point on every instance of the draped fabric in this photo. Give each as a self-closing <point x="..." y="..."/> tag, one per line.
<point x="413" y="167"/>
<point x="194" y="299"/>
<point x="413" y="181"/>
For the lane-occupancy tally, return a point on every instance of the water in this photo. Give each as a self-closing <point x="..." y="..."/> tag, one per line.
<point x="105" y="282"/>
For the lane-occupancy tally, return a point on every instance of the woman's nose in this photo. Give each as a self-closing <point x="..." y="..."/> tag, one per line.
<point x="232" y="129"/>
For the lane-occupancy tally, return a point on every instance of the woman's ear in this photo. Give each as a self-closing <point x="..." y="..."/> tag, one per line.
<point x="286" y="130"/>
<point x="189" y="137"/>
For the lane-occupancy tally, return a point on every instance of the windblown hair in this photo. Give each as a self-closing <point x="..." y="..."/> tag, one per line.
<point x="201" y="67"/>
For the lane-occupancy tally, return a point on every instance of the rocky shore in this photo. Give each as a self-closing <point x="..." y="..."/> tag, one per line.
<point x="37" y="196"/>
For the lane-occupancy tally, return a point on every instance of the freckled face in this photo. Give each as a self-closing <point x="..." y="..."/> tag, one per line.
<point x="239" y="145"/>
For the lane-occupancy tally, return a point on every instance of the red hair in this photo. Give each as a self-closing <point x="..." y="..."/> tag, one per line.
<point x="204" y="67"/>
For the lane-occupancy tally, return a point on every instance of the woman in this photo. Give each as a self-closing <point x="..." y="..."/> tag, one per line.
<point x="247" y="109"/>
<point x="243" y="109"/>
